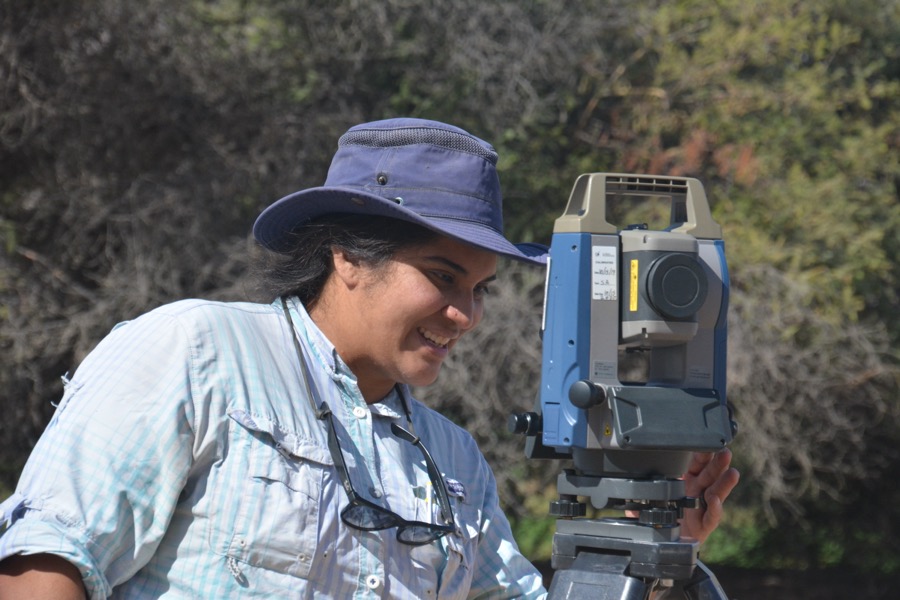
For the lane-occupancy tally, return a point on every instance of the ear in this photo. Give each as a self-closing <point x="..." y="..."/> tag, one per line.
<point x="346" y="269"/>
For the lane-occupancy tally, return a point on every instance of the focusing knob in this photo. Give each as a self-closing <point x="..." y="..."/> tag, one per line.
<point x="586" y="394"/>
<point x="527" y="423"/>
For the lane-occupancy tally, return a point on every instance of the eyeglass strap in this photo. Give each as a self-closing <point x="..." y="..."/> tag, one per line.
<point x="431" y="467"/>
<point x="406" y="409"/>
<point x="304" y="370"/>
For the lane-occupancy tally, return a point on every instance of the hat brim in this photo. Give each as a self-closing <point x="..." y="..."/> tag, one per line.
<point x="274" y="226"/>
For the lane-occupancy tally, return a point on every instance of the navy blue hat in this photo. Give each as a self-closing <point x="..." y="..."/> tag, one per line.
<point x="425" y="172"/>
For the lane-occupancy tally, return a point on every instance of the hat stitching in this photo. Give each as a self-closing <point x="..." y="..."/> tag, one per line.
<point x="382" y="191"/>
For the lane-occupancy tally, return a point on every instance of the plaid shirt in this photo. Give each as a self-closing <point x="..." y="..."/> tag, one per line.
<point x="184" y="462"/>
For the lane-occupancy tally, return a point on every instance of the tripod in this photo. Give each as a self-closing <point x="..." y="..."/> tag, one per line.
<point x="626" y="558"/>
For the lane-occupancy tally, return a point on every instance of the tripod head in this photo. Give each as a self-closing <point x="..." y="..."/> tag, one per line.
<point x="612" y="294"/>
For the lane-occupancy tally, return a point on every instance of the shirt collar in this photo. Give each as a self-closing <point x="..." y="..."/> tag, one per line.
<point x="318" y="345"/>
<point x="391" y="406"/>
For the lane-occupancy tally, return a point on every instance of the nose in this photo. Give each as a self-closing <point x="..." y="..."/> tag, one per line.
<point x="464" y="311"/>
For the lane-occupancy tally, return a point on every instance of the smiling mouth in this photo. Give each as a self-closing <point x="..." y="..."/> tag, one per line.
<point x="437" y="340"/>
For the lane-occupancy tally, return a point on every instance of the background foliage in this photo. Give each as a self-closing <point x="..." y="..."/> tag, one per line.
<point x="139" y="140"/>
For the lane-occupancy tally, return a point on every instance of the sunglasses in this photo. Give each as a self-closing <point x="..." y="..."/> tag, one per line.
<point x="365" y="515"/>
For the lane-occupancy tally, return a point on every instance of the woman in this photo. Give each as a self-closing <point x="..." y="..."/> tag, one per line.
<point x="210" y="450"/>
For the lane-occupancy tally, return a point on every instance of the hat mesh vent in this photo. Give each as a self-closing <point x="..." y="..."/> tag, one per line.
<point x="386" y="138"/>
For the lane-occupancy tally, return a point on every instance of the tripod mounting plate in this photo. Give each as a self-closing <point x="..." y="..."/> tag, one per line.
<point x="604" y="490"/>
<point x="655" y="553"/>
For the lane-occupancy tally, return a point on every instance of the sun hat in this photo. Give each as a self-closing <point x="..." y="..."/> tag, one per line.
<point x="425" y="172"/>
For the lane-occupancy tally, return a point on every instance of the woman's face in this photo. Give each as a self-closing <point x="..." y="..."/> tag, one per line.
<point x="399" y="321"/>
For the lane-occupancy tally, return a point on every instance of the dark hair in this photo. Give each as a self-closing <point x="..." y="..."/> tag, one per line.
<point x="304" y="269"/>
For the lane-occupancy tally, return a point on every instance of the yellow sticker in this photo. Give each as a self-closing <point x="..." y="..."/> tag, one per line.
<point x="633" y="303"/>
<point x="608" y="431"/>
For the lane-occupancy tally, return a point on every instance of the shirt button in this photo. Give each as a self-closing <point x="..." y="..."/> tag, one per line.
<point x="373" y="582"/>
<point x="360" y="413"/>
<point x="376" y="493"/>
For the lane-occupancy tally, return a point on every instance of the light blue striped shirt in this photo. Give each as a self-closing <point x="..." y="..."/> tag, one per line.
<point x="184" y="461"/>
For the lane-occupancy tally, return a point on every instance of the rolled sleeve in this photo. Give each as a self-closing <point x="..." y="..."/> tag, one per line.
<point x="101" y="485"/>
<point x="40" y="529"/>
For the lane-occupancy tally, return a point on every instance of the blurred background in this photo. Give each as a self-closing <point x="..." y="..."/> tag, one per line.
<point x="138" y="141"/>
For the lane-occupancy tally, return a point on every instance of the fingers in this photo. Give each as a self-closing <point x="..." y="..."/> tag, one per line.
<point x="711" y="517"/>
<point x="707" y="470"/>
<point x="726" y="479"/>
<point x="716" y="494"/>
<point x="711" y="478"/>
<point x="699" y="460"/>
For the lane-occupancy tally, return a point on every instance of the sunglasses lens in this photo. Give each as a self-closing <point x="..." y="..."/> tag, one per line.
<point x="368" y="518"/>
<point x="416" y="535"/>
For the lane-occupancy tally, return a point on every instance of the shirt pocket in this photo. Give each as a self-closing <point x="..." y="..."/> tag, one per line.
<point x="276" y="520"/>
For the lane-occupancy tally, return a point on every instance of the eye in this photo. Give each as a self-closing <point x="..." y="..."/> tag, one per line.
<point x="443" y="277"/>
<point x="482" y="290"/>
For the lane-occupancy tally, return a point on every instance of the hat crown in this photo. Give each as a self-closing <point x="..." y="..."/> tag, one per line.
<point x="432" y="169"/>
<point x="426" y="172"/>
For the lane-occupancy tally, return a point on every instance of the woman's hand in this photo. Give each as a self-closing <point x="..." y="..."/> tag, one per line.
<point x="711" y="478"/>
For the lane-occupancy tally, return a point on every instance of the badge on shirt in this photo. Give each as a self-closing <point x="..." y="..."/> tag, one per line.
<point x="455" y="489"/>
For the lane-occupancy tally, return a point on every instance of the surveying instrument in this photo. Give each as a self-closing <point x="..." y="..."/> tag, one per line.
<point x="613" y="295"/>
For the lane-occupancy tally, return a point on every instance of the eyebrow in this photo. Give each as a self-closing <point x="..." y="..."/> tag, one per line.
<point x="457" y="267"/>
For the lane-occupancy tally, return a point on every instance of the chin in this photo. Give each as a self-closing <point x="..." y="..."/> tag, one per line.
<point x="423" y="379"/>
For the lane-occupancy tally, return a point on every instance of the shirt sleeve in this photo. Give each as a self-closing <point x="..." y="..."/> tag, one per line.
<point x="501" y="570"/>
<point x="101" y="485"/>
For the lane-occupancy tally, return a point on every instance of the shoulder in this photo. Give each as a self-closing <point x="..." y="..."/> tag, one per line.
<point x="188" y="337"/>
<point x="198" y="310"/>
<point x="195" y="317"/>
